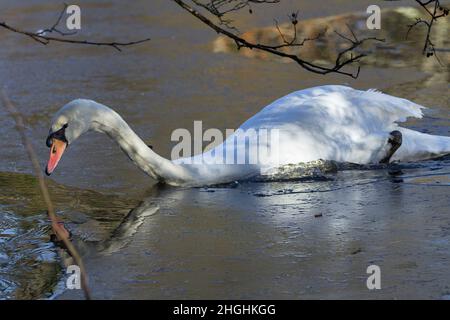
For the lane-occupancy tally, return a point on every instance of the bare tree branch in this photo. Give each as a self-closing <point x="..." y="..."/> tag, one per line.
<point x="42" y="37"/>
<point x="344" y="58"/>
<point x="220" y="8"/>
<point x="435" y="10"/>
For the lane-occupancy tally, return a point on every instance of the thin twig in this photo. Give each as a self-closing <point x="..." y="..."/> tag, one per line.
<point x="54" y="27"/>
<point x="57" y="229"/>
<point x="220" y="8"/>
<point x="433" y="11"/>
<point x="41" y="37"/>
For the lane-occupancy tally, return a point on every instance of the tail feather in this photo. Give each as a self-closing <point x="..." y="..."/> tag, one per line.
<point x="418" y="146"/>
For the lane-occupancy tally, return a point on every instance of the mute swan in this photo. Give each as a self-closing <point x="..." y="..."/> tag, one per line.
<point x="328" y="122"/>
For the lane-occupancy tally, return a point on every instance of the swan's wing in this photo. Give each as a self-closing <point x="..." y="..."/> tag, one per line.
<point x="370" y="108"/>
<point x="333" y="123"/>
<point x="329" y="122"/>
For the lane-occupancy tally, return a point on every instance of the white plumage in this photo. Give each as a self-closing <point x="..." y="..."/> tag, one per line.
<point x="328" y="122"/>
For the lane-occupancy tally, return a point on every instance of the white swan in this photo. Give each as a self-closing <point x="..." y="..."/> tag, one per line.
<point x="328" y="122"/>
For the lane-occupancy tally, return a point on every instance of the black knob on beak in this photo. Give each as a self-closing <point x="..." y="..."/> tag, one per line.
<point x="48" y="142"/>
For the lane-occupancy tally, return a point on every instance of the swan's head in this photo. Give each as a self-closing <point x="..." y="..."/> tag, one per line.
<point x="71" y="121"/>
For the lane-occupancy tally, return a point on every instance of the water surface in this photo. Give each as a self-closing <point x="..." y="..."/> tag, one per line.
<point x="302" y="239"/>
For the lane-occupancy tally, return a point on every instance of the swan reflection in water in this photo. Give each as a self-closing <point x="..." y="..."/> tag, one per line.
<point x="310" y="191"/>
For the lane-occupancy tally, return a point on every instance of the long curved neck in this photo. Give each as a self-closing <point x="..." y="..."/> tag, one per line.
<point x="162" y="169"/>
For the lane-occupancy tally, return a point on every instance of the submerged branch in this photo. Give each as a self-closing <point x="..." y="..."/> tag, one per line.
<point x="59" y="231"/>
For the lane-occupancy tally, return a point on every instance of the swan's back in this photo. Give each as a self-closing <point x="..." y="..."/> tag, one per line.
<point x="333" y="123"/>
<point x="339" y="102"/>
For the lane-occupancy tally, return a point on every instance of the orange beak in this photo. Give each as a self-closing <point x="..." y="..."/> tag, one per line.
<point x="56" y="152"/>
